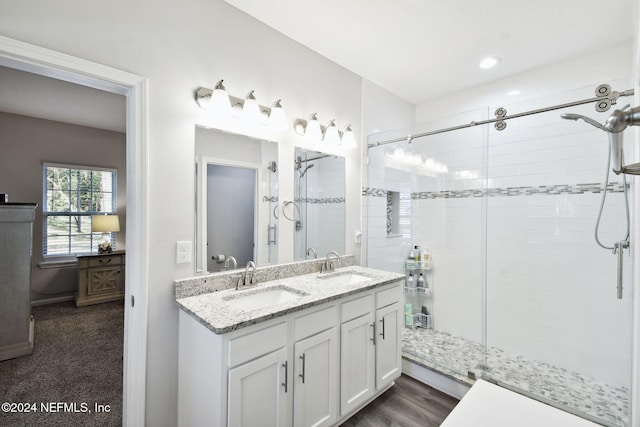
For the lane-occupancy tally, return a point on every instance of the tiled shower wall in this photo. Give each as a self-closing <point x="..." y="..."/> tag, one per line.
<point x="510" y="226"/>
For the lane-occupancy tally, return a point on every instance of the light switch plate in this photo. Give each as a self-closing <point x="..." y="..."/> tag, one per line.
<point x="183" y="252"/>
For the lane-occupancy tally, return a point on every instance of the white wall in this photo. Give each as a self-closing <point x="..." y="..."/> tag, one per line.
<point x="26" y="143"/>
<point x="179" y="48"/>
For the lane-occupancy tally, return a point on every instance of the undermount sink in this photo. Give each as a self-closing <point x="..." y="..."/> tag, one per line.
<point x="259" y="298"/>
<point x="344" y="278"/>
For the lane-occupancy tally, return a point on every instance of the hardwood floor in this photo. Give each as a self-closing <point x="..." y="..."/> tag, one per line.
<point x="407" y="404"/>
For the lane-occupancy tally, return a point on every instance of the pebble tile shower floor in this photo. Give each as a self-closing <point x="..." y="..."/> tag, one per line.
<point x="461" y="359"/>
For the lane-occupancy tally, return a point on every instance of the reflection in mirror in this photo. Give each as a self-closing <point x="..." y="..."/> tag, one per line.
<point x="319" y="191"/>
<point x="236" y="198"/>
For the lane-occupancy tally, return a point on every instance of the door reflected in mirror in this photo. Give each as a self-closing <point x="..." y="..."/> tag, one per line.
<point x="236" y="199"/>
<point x="319" y="192"/>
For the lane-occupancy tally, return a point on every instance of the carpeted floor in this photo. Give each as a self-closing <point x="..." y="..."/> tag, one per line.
<point x="76" y="365"/>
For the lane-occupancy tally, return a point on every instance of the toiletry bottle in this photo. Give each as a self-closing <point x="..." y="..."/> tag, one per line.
<point x="412" y="255"/>
<point x="424" y="318"/>
<point x="416" y="254"/>
<point x="411" y="284"/>
<point x="425" y="258"/>
<point x="421" y="282"/>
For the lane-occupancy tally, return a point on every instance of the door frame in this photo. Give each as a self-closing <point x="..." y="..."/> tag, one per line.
<point x="37" y="60"/>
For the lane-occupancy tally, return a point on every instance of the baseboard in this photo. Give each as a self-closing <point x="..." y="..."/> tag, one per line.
<point x="52" y="300"/>
<point x="435" y="379"/>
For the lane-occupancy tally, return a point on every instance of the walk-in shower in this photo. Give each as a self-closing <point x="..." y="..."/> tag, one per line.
<point x="521" y="295"/>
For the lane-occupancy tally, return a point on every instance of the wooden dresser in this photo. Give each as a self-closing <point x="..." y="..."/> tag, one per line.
<point x="100" y="278"/>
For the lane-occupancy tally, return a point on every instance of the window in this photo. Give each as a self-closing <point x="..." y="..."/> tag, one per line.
<point x="71" y="195"/>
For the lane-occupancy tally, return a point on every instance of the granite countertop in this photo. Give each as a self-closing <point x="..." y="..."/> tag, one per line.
<point x="212" y="310"/>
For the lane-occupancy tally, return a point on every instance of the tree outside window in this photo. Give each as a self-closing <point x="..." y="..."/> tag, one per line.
<point x="71" y="195"/>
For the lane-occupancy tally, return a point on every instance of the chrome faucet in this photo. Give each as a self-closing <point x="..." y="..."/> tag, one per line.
<point x="330" y="265"/>
<point x="251" y="281"/>
<point x="315" y="254"/>
<point x="230" y="259"/>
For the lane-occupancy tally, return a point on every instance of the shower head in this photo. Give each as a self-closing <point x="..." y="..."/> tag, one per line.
<point x="309" y="166"/>
<point x="576" y="117"/>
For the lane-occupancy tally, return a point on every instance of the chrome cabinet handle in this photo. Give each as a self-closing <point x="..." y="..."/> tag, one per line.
<point x="382" y="321"/>
<point x="373" y="338"/>
<point x="303" y="365"/>
<point x="285" y="365"/>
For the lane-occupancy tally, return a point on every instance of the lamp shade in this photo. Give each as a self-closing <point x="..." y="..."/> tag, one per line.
<point x="105" y="223"/>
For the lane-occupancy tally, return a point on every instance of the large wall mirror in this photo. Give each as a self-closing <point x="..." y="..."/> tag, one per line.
<point x="236" y="200"/>
<point x="319" y="192"/>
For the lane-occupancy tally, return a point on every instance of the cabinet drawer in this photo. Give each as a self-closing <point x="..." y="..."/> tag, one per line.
<point x="357" y="307"/>
<point x="105" y="261"/>
<point x="257" y="343"/>
<point x="389" y="296"/>
<point x="313" y="323"/>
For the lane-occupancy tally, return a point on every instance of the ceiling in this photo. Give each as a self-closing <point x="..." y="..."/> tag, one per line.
<point x="52" y="99"/>
<point x="422" y="49"/>
<point x="416" y="49"/>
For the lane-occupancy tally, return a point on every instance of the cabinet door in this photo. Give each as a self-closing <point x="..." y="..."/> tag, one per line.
<point x="317" y="373"/>
<point x="357" y="362"/>
<point x="258" y="392"/>
<point x="388" y="362"/>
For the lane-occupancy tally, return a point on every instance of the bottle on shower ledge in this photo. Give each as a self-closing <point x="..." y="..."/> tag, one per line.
<point x="416" y="253"/>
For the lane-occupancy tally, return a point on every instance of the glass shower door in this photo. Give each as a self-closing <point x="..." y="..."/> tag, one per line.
<point x="555" y="329"/>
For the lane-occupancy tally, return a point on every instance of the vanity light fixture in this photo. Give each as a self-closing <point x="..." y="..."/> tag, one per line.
<point x="277" y="118"/>
<point x="312" y="130"/>
<point x="347" y="138"/>
<point x="224" y="107"/>
<point x="251" y="110"/>
<point x="220" y="103"/>
<point x="331" y="134"/>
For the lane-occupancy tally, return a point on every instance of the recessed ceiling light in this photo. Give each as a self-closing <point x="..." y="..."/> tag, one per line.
<point x="490" y="62"/>
<point x="513" y="92"/>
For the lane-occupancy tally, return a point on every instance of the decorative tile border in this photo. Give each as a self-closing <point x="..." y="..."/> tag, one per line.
<point x="321" y="200"/>
<point x="544" y="190"/>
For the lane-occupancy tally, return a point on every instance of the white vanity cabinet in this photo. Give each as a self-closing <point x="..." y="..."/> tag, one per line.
<point x="293" y="370"/>
<point x="370" y="346"/>
<point x="316" y="368"/>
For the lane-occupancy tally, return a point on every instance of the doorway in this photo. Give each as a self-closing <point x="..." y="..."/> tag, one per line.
<point x="37" y="60"/>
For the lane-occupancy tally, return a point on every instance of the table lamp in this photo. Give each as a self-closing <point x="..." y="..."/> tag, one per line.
<point x="105" y="224"/>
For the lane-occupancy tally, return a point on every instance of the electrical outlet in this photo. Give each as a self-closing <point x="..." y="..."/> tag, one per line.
<point x="183" y="252"/>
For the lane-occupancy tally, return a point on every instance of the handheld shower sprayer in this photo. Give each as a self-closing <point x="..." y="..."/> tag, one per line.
<point x="615" y="124"/>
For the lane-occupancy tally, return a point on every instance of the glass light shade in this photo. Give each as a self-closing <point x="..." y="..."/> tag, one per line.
<point x="348" y="138"/>
<point x="331" y="135"/>
<point x="220" y="105"/>
<point x="312" y="131"/>
<point x="251" y="110"/>
<point x="277" y="118"/>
